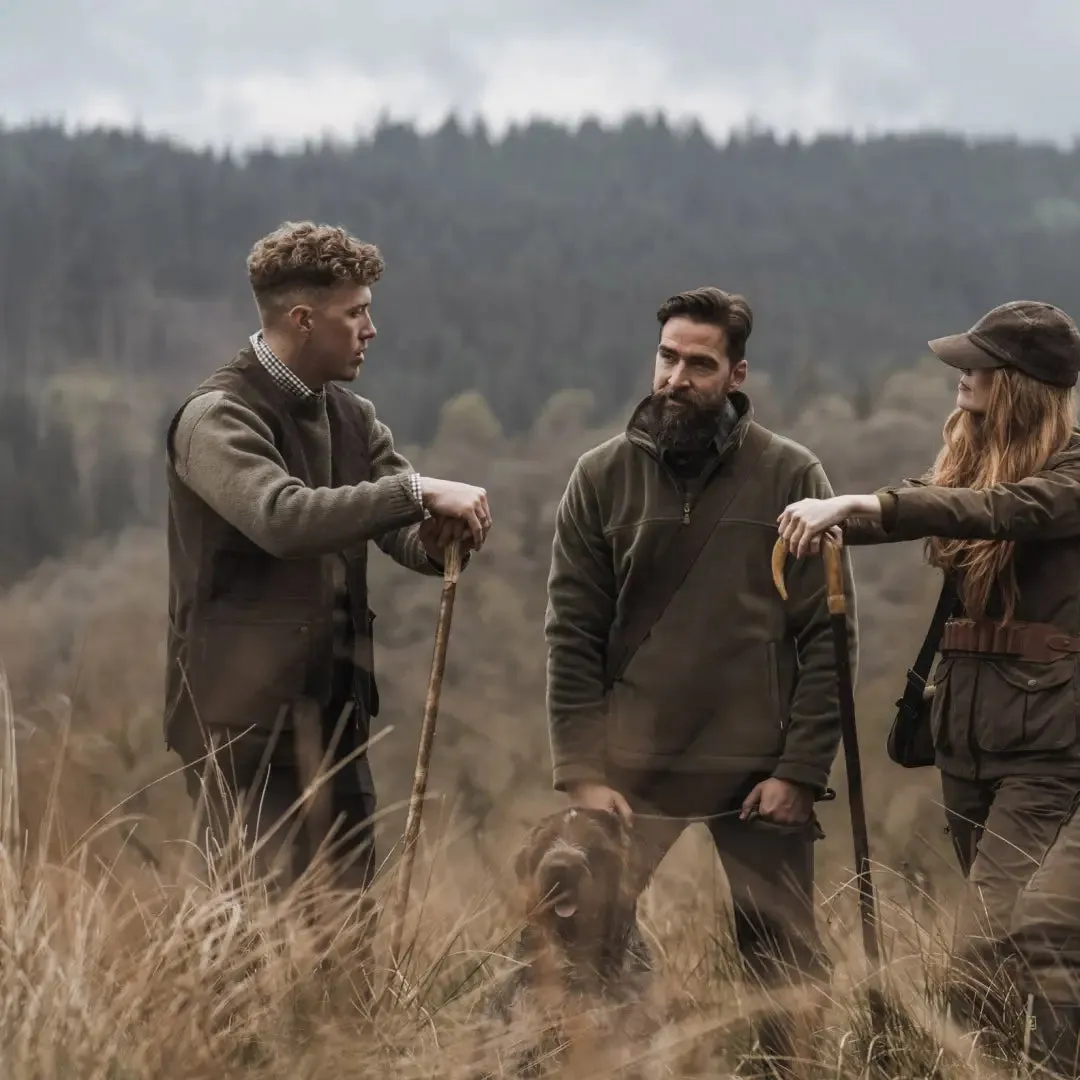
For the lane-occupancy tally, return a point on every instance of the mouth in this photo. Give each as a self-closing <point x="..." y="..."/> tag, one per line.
<point x="565" y="907"/>
<point x="560" y="896"/>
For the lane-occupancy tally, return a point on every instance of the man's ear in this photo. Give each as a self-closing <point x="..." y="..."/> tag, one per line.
<point x="738" y="375"/>
<point x="300" y="318"/>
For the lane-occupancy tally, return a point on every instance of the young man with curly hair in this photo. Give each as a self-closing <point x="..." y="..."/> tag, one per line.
<point x="278" y="477"/>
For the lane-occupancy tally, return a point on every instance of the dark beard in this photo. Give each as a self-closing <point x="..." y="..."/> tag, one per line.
<point x="685" y="428"/>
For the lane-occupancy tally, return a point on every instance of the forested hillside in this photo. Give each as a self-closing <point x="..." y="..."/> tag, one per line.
<point x="517" y="268"/>
<point x="525" y="266"/>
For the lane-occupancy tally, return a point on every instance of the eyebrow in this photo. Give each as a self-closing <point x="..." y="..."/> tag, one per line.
<point x="667" y="350"/>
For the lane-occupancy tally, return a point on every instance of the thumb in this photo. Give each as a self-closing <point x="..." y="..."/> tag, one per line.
<point x="621" y="807"/>
<point x="750" y="803"/>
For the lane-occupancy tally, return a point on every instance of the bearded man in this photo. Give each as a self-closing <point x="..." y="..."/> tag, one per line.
<point x="680" y="685"/>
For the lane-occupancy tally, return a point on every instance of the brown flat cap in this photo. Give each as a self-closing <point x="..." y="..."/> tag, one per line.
<point x="1036" y="338"/>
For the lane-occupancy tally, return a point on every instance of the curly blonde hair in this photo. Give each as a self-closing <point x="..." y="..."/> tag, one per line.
<point x="1026" y="423"/>
<point x="300" y="256"/>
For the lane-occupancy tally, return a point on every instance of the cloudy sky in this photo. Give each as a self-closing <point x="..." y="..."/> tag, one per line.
<point x="243" y="71"/>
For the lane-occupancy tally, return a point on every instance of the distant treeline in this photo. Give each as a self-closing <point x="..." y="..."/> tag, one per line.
<point x="522" y="266"/>
<point x="516" y="268"/>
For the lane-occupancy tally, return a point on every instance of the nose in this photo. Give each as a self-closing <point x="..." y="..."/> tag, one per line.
<point x="679" y="378"/>
<point x="563" y="874"/>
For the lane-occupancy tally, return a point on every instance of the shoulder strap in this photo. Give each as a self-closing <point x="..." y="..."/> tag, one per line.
<point x="920" y="670"/>
<point x="675" y="559"/>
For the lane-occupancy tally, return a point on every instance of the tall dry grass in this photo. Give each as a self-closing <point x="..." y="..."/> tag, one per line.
<point x="117" y="963"/>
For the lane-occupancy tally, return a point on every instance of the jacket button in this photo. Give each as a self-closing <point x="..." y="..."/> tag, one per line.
<point x="301" y="629"/>
<point x="1033" y="682"/>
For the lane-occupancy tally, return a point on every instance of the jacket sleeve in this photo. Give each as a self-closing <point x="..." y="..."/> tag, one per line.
<point x="862" y="532"/>
<point x="813" y="735"/>
<point x="401" y="544"/>
<point x="1045" y="506"/>
<point x="226" y="455"/>
<point x="580" y="612"/>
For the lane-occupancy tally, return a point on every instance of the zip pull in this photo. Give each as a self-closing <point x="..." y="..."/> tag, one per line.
<point x="686" y="513"/>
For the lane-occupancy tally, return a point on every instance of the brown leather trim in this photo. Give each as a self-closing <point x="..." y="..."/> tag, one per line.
<point x="1036" y="643"/>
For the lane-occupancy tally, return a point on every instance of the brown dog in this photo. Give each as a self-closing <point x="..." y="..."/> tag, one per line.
<point x="583" y="973"/>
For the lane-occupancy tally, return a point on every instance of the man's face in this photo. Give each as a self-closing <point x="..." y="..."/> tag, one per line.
<point x="339" y="329"/>
<point x="692" y="376"/>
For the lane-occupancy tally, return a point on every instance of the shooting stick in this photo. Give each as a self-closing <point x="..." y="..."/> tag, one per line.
<point x="451" y="573"/>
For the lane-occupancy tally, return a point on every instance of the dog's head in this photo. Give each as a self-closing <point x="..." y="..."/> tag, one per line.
<point x="575" y="869"/>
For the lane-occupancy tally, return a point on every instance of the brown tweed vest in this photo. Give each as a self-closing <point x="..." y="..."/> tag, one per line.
<point x="248" y="632"/>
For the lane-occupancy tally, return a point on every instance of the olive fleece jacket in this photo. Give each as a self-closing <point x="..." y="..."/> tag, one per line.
<point x="226" y="455"/>
<point x="732" y="680"/>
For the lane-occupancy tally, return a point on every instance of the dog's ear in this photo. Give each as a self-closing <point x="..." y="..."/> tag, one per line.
<point x="521" y="862"/>
<point x="616" y="827"/>
<point x="530" y="851"/>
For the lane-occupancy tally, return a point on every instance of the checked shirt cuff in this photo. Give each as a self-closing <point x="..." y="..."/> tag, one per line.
<point x="417" y="490"/>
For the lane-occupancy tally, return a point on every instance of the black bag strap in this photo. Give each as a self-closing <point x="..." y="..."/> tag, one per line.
<point x="920" y="670"/>
<point x="675" y="559"/>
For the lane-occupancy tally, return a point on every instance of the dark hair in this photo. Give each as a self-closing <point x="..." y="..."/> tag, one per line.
<point x="729" y="311"/>
<point x="299" y="256"/>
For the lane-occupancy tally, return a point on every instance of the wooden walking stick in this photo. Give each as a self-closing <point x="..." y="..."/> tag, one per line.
<point x="451" y="573"/>
<point x="834" y="586"/>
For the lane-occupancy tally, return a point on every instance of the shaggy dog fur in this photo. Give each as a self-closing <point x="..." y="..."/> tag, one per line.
<point x="582" y="981"/>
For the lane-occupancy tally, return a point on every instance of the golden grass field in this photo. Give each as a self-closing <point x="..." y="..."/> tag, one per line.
<point x="125" y="951"/>
<point x="115" y="968"/>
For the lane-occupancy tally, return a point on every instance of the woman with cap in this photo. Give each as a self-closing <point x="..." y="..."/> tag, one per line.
<point x="999" y="514"/>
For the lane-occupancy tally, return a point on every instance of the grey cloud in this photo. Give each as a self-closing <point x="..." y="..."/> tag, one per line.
<point x="966" y="64"/>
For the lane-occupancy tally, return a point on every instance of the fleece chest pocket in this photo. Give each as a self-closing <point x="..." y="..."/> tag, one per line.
<point x="1025" y="707"/>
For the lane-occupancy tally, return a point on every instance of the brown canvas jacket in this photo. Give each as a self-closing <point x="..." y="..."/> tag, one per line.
<point x="999" y="717"/>
<point x="732" y="680"/>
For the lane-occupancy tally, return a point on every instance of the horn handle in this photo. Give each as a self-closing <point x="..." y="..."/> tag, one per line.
<point x="834" y="572"/>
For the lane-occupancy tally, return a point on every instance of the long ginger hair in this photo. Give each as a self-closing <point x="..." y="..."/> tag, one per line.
<point x="1026" y="422"/>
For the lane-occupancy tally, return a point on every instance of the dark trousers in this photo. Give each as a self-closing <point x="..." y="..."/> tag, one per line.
<point x="1001" y="831"/>
<point x="261" y="777"/>
<point x="770" y="869"/>
<point x="1046" y="934"/>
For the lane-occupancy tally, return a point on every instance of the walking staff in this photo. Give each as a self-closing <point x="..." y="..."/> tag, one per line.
<point x="837" y="602"/>
<point x="423" y="755"/>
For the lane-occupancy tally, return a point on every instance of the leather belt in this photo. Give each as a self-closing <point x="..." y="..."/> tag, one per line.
<point x="1036" y="643"/>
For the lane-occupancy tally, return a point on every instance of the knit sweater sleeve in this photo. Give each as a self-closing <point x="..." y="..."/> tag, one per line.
<point x="225" y="454"/>
<point x="403" y="545"/>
